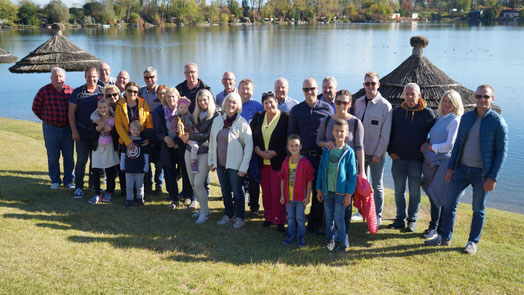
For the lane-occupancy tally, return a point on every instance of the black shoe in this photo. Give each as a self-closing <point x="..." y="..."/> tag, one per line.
<point x="280" y="228"/>
<point x="398" y="224"/>
<point x="267" y="223"/>
<point x="253" y="214"/>
<point x="158" y="190"/>
<point x="128" y="204"/>
<point x="411" y="226"/>
<point x="140" y="203"/>
<point x="339" y="248"/>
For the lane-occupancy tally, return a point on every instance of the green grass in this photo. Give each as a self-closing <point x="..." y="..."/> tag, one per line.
<point x="51" y="243"/>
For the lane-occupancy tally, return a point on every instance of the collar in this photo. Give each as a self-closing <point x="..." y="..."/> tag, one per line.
<point x="375" y="99"/>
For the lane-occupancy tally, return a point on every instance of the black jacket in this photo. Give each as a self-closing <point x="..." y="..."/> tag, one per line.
<point x="169" y="157"/>
<point x="277" y="142"/>
<point x="204" y="128"/>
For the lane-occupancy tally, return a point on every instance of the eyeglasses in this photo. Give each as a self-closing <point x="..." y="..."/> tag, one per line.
<point x="132" y="91"/>
<point x="478" y="96"/>
<point x="112" y="95"/>
<point x="190" y="72"/>
<point x="371" y="84"/>
<point x="149" y="77"/>
<point x="308" y="89"/>
<point x="339" y="102"/>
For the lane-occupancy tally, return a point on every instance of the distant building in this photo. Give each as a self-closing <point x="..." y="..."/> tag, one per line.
<point x="414" y="15"/>
<point x="509" y="14"/>
<point x="395" y="16"/>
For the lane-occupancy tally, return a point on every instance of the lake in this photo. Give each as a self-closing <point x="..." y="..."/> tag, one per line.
<point x="471" y="55"/>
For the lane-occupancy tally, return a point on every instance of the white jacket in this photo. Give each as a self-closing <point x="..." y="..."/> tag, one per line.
<point x="377" y="124"/>
<point x="239" y="145"/>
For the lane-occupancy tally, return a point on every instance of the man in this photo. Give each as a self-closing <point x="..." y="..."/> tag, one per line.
<point x="190" y="87"/>
<point x="82" y="103"/>
<point x="304" y="120"/>
<point x="477" y="158"/>
<point x="249" y="108"/>
<point x="104" y="70"/>
<point x="228" y="80"/>
<point x="329" y="90"/>
<point x="121" y="80"/>
<point x="148" y="92"/>
<point x="51" y="105"/>
<point x="410" y="125"/>
<point x="374" y="112"/>
<point x="285" y="103"/>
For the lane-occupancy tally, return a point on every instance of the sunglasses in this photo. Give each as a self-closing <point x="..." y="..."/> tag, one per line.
<point x="148" y="77"/>
<point x="478" y="96"/>
<point x="132" y="91"/>
<point x="371" y="84"/>
<point x="339" y="102"/>
<point x="308" y="89"/>
<point x="112" y="95"/>
<point x="266" y="94"/>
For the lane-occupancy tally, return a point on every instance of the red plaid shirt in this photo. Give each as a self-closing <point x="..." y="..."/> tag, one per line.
<point x="51" y="106"/>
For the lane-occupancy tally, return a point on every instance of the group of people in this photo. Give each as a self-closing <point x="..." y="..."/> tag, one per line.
<point x="295" y="152"/>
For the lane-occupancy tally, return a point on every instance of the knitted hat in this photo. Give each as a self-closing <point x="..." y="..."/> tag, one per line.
<point x="182" y="100"/>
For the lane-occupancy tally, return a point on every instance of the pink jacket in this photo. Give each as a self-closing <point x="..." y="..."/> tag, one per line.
<point x="304" y="173"/>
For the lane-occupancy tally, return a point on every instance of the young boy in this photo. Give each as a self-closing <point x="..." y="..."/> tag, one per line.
<point x="296" y="176"/>
<point x="336" y="181"/>
<point x="135" y="162"/>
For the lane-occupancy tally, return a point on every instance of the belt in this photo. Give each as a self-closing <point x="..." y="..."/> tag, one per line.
<point x="312" y="153"/>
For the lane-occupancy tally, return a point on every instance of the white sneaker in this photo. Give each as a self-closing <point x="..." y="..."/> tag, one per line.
<point x="357" y="216"/>
<point x="196" y="214"/>
<point x="471" y="248"/>
<point x="431" y="234"/>
<point x="224" y="220"/>
<point x="201" y="219"/>
<point x="331" y="245"/>
<point x="78" y="194"/>
<point x="193" y="205"/>
<point x="54" y="186"/>
<point x="239" y="223"/>
<point x="69" y="186"/>
<point x="187" y="202"/>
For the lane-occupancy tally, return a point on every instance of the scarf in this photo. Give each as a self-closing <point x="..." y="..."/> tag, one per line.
<point x="228" y="122"/>
<point x="171" y="119"/>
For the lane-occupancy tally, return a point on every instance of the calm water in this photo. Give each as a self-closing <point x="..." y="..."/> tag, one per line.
<point x="470" y="55"/>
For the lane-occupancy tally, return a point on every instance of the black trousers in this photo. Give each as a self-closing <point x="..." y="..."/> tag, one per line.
<point x="110" y="179"/>
<point x="316" y="214"/>
<point x="253" y="189"/>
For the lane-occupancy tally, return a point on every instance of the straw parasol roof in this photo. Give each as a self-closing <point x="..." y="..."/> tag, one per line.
<point x="56" y="52"/>
<point x="433" y="82"/>
<point x="6" y="57"/>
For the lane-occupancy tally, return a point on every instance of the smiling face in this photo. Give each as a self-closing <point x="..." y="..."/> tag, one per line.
<point x="310" y="89"/>
<point x="228" y="80"/>
<point x="411" y="96"/>
<point x="112" y="95"/>
<point x="340" y="132"/>
<point x="132" y="92"/>
<point x="281" y="89"/>
<point x="294" y="146"/>
<point x="447" y="105"/>
<point x="91" y="77"/>
<point x="191" y="74"/>
<point x="121" y="80"/>
<point x="161" y="94"/>
<point x="58" y="80"/>
<point x="246" y="91"/>
<point x="270" y="105"/>
<point x="150" y="79"/>
<point x="329" y="89"/>
<point x="371" y="85"/>
<point x="182" y="108"/>
<point x="342" y="104"/>
<point x="135" y="131"/>
<point x="231" y="106"/>
<point x="103" y="109"/>
<point x="484" y="98"/>
<point x="203" y="102"/>
<point x="171" y="100"/>
<point x="105" y="72"/>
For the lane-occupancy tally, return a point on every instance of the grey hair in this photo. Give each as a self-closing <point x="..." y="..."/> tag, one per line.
<point x="191" y="64"/>
<point x="330" y="79"/>
<point x="284" y="80"/>
<point x="150" y="70"/>
<point x="413" y="86"/>
<point x="233" y="96"/>
<point x="58" y="69"/>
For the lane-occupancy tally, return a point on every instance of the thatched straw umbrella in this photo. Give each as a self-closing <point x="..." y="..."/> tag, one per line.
<point x="432" y="81"/>
<point x="56" y="52"/>
<point x="6" y="57"/>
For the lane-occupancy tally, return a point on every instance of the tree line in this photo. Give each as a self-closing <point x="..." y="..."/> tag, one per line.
<point x="230" y="11"/>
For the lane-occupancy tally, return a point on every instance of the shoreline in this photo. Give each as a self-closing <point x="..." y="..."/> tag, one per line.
<point x="466" y="198"/>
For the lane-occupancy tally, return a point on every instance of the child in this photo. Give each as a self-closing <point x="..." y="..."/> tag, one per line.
<point x="186" y="125"/>
<point x="104" y="141"/>
<point x="134" y="162"/>
<point x="336" y="181"/>
<point x="296" y="176"/>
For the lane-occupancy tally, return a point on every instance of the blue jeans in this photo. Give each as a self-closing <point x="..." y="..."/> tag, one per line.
<point x="375" y="172"/>
<point x="58" y="139"/>
<point x="231" y="183"/>
<point x="412" y="171"/>
<point x="436" y="221"/>
<point x="296" y="219"/>
<point x="462" y="177"/>
<point x="334" y="216"/>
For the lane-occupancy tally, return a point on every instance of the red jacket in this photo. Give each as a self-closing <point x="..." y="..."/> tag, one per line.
<point x="365" y="203"/>
<point x="304" y="173"/>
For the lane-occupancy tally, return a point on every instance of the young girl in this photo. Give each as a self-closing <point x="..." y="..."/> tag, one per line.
<point x="186" y="125"/>
<point x="297" y="175"/>
<point x="104" y="141"/>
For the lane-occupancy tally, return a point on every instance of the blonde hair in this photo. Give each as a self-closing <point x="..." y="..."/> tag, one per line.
<point x="112" y="87"/>
<point x="173" y="90"/>
<point x="370" y="75"/>
<point x="456" y="101"/>
<point x="211" y="106"/>
<point x="236" y="97"/>
<point x="135" y="124"/>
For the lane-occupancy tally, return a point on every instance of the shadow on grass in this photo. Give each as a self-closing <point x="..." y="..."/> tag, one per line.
<point x="157" y="229"/>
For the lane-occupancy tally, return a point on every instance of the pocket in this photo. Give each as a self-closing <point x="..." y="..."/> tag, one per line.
<point x="374" y="122"/>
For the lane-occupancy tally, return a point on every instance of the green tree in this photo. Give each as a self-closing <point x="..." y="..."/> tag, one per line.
<point x="108" y="13"/>
<point x="464" y="5"/>
<point x="245" y="8"/>
<point x="8" y="11"/>
<point x="56" y="11"/>
<point x="28" y="13"/>
<point x="76" y="15"/>
<point x="94" y="9"/>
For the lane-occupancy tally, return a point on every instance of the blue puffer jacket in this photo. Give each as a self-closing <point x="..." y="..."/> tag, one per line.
<point x="346" y="172"/>
<point x="493" y="142"/>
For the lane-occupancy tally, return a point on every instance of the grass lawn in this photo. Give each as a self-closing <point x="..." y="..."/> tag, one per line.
<point x="52" y="243"/>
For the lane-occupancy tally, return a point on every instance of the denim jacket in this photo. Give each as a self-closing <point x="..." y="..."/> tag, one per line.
<point x="493" y="142"/>
<point x="346" y="172"/>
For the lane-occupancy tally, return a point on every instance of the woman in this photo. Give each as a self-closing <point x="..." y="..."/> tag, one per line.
<point x="129" y="108"/>
<point x="230" y="149"/>
<point x="437" y="153"/>
<point x="204" y="114"/>
<point x="112" y="94"/>
<point x="355" y="137"/>
<point x="166" y="136"/>
<point x="269" y="139"/>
